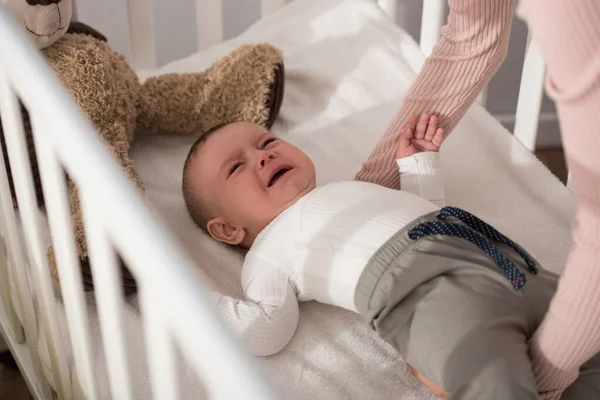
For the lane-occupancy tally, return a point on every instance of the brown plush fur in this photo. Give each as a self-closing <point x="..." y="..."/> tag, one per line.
<point x="236" y="87"/>
<point x="246" y="85"/>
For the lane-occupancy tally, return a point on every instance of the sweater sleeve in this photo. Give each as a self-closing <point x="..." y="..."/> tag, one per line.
<point x="420" y="174"/>
<point x="472" y="47"/>
<point x="570" y="333"/>
<point x="265" y="321"/>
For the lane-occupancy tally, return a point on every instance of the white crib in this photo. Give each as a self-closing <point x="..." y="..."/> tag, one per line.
<point x="177" y="317"/>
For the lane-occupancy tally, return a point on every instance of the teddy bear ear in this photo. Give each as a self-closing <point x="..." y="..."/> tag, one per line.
<point x="80" y="27"/>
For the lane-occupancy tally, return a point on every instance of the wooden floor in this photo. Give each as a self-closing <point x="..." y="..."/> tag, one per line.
<point x="555" y="161"/>
<point x="13" y="387"/>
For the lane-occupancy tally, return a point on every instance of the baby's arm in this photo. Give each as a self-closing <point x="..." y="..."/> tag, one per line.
<point x="473" y="45"/>
<point x="266" y="320"/>
<point x="417" y="157"/>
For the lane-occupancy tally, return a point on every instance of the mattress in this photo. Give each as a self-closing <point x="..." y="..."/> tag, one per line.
<point x="348" y="67"/>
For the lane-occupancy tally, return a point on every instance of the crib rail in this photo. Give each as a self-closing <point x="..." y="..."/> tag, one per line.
<point x="107" y="199"/>
<point x="529" y="104"/>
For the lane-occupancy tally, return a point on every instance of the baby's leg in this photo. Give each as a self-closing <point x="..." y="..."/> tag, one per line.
<point x="467" y="334"/>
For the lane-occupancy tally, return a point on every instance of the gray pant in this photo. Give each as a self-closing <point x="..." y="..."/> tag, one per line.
<point x="451" y="313"/>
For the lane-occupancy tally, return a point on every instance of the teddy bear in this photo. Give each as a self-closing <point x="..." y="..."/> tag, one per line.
<point x="246" y="85"/>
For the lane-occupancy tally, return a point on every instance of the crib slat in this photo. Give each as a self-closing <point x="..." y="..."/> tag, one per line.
<point x="432" y="21"/>
<point x="20" y="166"/>
<point x="59" y="215"/>
<point x="209" y="22"/>
<point x="159" y="347"/>
<point x="531" y="90"/>
<point x="390" y="7"/>
<point x="269" y="6"/>
<point x="109" y="298"/>
<point x="16" y="262"/>
<point x="9" y="227"/>
<point x="482" y="98"/>
<point x="15" y="330"/>
<point x="142" y="33"/>
<point x="48" y="309"/>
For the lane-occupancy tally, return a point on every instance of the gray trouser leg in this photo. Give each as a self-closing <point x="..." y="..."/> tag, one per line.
<point x="474" y="346"/>
<point x="451" y="313"/>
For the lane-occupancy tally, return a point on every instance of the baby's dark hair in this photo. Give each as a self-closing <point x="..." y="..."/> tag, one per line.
<point x="197" y="211"/>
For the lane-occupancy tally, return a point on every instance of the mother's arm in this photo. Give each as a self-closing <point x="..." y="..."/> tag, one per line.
<point x="473" y="45"/>
<point x="570" y="332"/>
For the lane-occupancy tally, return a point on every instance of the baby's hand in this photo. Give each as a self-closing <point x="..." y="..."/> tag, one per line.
<point x="417" y="138"/>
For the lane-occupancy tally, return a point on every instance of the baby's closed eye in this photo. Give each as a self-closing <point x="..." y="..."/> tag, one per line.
<point x="234" y="167"/>
<point x="268" y="141"/>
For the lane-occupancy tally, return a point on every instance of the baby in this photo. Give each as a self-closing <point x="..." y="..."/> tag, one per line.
<point x="456" y="298"/>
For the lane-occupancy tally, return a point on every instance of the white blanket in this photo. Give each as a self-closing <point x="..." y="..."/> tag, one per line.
<point x="347" y="68"/>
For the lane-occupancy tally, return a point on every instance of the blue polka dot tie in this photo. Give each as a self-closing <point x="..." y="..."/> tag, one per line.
<point x="487" y="230"/>
<point x="479" y="233"/>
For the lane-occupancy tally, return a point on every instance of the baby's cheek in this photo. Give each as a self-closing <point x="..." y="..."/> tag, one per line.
<point x="250" y="205"/>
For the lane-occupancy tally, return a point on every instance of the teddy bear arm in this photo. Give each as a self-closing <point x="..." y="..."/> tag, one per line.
<point x="173" y="103"/>
<point x="246" y="85"/>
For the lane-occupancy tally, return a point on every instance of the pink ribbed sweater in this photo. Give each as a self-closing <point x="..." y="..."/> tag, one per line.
<point x="472" y="47"/>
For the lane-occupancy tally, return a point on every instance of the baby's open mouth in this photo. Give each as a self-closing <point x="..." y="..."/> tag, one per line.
<point x="278" y="174"/>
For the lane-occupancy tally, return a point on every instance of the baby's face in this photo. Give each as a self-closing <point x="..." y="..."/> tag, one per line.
<point x="247" y="176"/>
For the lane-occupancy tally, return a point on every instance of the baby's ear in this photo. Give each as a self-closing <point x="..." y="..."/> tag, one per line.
<point x="223" y="231"/>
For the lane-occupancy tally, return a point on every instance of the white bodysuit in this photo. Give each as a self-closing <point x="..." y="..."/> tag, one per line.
<point x="318" y="247"/>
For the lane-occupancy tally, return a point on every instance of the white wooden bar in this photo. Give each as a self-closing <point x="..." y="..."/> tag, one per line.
<point x="9" y="228"/>
<point x="47" y="311"/>
<point x="47" y="314"/>
<point x="269" y="6"/>
<point x="15" y="329"/>
<point x="159" y="347"/>
<point x="209" y="22"/>
<point x="16" y="262"/>
<point x="482" y="98"/>
<point x="531" y="90"/>
<point x="390" y="7"/>
<point x="432" y="21"/>
<point x="59" y="216"/>
<point x="109" y="298"/>
<point x="142" y="33"/>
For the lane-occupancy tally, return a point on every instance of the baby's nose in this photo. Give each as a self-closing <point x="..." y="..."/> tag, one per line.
<point x="265" y="157"/>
